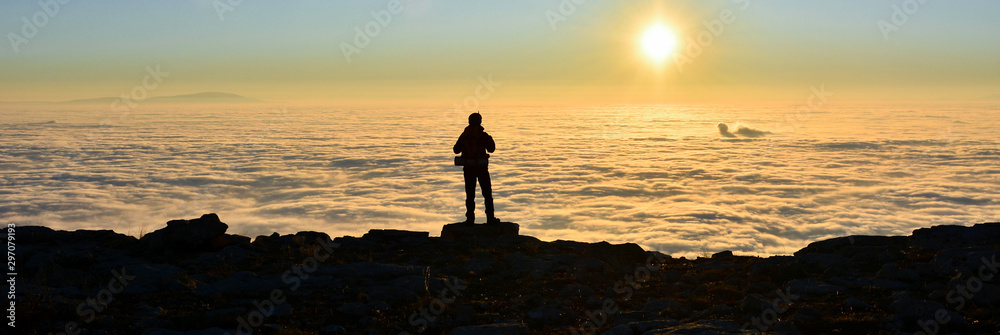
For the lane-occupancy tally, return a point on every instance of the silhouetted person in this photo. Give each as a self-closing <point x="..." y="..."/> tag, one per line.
<point x="474" y="145"/>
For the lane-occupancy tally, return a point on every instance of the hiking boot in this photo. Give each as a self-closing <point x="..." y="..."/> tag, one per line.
<point x="492" y="220"/>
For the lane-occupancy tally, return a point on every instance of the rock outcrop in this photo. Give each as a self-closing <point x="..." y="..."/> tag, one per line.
<point x="487" y="280"/>
<point x="201" y="234"/>
<point x="458" y="231"/>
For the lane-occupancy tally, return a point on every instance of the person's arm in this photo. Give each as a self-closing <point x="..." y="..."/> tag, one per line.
<point x="490" y="145"/>
<point x="458" y="144"/>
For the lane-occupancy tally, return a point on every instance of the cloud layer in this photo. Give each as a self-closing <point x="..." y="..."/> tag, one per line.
<point x="662" y="177"/>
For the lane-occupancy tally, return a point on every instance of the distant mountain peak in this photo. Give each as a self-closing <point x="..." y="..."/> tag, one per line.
<point x="202" y="97"/>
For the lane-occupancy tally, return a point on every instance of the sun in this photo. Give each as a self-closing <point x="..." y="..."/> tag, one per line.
<point x="658" y="42"/>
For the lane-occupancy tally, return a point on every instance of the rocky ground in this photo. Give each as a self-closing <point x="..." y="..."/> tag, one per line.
<point x="192" y="278"/>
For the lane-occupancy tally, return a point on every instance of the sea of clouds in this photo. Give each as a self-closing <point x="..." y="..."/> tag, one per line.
<point x="669" y="178"/>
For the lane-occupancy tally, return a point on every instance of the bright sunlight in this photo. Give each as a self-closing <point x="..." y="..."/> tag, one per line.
<point x="658" y="42"/>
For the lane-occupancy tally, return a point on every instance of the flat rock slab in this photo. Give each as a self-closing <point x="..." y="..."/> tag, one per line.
<point x="457" y="231"/>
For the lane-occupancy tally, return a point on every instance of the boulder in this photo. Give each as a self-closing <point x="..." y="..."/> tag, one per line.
<point x="949" y="236"/>
<point x="396" y="235"/>
<point x="849" y="245"/>
<point x="392" y="238"/>
<point x="626" y="253"/>
<point x="723" y="255"/>
<point x="460" y="231"/>
<point x="304" y="242"/>
<point x="199" y="234"/>
<point x="39" y="235"/>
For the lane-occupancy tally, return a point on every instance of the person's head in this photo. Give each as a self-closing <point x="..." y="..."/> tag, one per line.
<point x="475" y="119"/>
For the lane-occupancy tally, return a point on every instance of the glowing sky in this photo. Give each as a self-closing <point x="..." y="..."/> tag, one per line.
<point x="436" y="49"/>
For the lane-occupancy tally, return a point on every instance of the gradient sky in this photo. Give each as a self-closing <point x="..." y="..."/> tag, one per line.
<point x="435" y="50"/>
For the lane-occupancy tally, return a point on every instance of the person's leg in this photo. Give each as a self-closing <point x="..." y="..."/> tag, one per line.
<point x="487" y="186"/>
<point x="470" y="194"/>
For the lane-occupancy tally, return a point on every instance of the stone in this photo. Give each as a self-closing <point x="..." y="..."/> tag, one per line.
<point x="832" y="246"/>
<point x="39" y="235"/>
<point x="950" y="236"/>
<point x="291" y="242"/>
<point x="461" y="231"/>
<point x="625" y="254"/>
<point x="723" y="255"/>
<point x="185" y="235"/>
